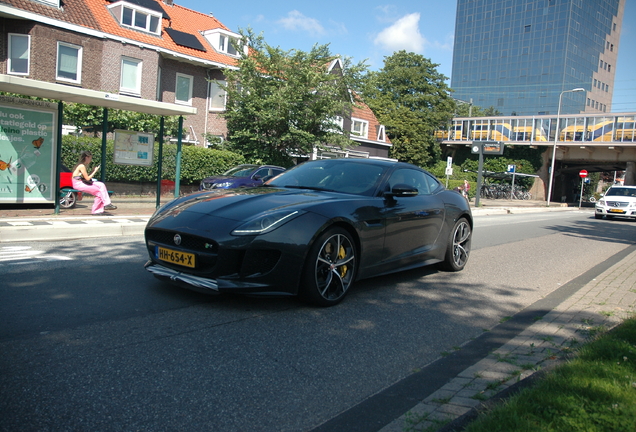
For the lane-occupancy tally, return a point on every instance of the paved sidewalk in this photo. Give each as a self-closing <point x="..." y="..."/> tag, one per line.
<point x="599" y="305"/>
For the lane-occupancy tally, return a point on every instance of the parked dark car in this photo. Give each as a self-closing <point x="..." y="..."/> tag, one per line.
<point x="312" y="231"/>
<point x="241" y="176"/>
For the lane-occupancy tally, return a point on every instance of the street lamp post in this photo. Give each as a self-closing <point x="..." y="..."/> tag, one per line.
<point x="556" y="136"/>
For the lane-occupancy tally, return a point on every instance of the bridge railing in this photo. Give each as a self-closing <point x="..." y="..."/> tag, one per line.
<point x="614" y="128"/>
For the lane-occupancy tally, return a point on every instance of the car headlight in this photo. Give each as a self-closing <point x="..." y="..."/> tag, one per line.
<point x="266" y="222"/>
<point x="223" y="185"/>
<point x="601" y="202"/>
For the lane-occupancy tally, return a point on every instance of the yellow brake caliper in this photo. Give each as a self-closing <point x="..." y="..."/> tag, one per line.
<point x="341" y="255"/>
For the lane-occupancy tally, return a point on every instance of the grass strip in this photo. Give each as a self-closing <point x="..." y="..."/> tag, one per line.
<point x="594" y="391"/>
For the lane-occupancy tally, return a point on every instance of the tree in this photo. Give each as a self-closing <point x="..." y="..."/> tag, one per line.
<point x="286" y="103"/>
<point x="410" y="97"/>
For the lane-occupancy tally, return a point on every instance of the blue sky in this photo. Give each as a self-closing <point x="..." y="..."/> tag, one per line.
<point x="372" y="30"/>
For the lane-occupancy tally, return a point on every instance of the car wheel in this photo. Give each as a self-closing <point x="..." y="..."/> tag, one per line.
<point x="598" y="216"/>
<point x="458" y="248"/>
<point x="68" y="199"/>
<point x="330" y="268"/>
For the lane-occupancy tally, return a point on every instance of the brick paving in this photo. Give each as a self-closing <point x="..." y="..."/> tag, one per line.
<point x="599" y="305"/>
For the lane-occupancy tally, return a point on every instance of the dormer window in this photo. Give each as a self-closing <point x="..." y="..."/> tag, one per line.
<point x="136" y="17"/>
<point x="359" y="127"/>
<point x="55" y="3"/>
<point x="224" y="41"/>
<point x="227" y="45"/>
<point x="381" y="133"/>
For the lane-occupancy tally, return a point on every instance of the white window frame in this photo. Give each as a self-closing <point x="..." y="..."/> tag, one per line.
<point x="78" y="71"/>
<point x="138" y="10"/>
<point x="139" y="64"/>
<point x="11" y="58"/>
<point x="221" y="40"/>
<point x="220" y="92"/>
<point x="381" y="134"/>
<point x="365" y="126"/>
<point x="190" y="80"/>
<point x="338" y="122"/>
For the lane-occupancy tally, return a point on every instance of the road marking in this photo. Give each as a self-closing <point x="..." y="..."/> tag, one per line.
<point x="25" y="255"/>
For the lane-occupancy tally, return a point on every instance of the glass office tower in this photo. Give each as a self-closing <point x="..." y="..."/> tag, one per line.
<point x="519" y="55"/>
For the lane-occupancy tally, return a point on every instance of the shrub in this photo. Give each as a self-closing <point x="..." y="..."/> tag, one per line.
<point x="196" y="162"/>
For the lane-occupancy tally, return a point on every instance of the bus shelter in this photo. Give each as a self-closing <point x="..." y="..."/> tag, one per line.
<point x="16" y="125"/>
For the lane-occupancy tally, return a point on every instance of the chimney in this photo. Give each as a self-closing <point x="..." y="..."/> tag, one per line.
<point x="168" y="2"/>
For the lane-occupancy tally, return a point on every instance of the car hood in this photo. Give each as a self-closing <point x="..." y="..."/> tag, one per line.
<point x="243" y="204"/>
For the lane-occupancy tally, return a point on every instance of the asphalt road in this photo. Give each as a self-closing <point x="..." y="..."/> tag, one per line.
<point x="90" y="341"/>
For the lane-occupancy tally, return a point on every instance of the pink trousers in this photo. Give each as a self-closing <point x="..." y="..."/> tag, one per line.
<point x="98" y="190"/>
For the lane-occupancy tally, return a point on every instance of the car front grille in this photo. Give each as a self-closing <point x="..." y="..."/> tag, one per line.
<point x="189" y="242"/>
<point x="616" y="204"/>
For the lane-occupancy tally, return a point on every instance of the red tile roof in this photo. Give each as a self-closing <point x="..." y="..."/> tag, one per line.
<point x="95" y="15"/>
<point x="363" y="112"/>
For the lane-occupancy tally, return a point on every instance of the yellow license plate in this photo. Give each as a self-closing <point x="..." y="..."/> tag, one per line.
<point x="616" y="211"/>
<point x="175" y="257"/>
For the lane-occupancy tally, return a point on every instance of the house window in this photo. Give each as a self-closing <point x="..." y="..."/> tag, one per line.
<point x="19" y="54"/>
<point x="359" y="127"/>
<point x="223" y="41"/>
<point x="381" y="134"/>
<point x="69" y="63"/>
<point x="183" y="89"/>
<point x="226" y="45"/>
<point x="140" y="19"/>
<point x="130" y="76"/>
<point x="159" y="94"/>
<point x="218" y="96"/>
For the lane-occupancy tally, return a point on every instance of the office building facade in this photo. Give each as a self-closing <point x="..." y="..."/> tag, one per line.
<point x="519" y="55"/>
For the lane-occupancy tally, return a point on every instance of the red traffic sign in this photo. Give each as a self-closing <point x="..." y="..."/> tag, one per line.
<point x="583" y="173"/>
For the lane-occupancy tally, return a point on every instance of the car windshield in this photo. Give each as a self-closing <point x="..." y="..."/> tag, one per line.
<point x="240" y="171"/>
<point x="342" y="176"/>
<point x="621" y="191"/>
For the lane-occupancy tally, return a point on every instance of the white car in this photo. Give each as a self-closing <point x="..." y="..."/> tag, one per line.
<point x="618" y="201"/>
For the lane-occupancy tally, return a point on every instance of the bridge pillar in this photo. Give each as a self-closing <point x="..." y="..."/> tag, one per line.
<point x="630" y="174"/>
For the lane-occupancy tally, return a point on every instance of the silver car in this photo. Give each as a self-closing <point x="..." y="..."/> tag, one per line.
<point x="618" y="201"/>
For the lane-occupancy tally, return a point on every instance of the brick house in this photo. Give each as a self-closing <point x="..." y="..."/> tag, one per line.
<point x="149" y="49"/>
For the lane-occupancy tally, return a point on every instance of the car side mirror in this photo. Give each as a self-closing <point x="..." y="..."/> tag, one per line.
<point x="402" y="190"/>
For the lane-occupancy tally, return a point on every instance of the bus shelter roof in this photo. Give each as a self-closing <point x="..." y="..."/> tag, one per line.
<point x="43" y="89"/>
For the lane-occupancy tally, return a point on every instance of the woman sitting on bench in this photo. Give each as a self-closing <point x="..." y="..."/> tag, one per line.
<point x="84" y="182"/>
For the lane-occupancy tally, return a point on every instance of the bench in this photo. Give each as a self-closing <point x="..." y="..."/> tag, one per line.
<point x="68" y="196"/>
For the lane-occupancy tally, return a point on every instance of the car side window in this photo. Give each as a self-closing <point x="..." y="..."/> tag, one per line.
<point x="412" y="178"/>
<point x="263" y="172"/>
<point x="433" y="183"/>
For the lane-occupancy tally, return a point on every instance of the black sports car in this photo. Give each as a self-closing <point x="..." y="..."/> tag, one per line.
<point x="311" y="231"/>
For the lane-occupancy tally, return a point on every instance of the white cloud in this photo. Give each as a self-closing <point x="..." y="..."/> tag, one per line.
<point x="297" y="21"/>
<point x="404" y="34"/>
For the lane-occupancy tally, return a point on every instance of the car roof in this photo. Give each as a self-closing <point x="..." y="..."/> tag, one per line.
<point x="383" y="162"/>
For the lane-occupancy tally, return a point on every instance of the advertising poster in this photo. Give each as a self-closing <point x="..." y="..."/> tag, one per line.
<point x="28" y="150"/>
<point x="133" y="148"/>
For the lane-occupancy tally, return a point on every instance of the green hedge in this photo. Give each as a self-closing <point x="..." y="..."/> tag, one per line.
<point x="196" y="162"/>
